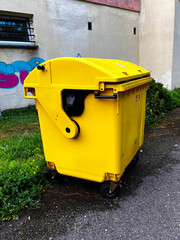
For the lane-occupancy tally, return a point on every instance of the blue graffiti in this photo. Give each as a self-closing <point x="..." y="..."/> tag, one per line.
<point x="6" y="68"/>
<point x="34" y="62"/>
<point x="78" y="55"/>
<point x="8" y="77"/>
<point x="21" y="66"/>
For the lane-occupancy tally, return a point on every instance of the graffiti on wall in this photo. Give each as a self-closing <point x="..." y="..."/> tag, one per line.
<point x="78" y="55"/>
<point x="12" y="74"/>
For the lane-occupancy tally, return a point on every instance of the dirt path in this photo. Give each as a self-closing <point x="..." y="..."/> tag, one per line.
<point x="147" y="208"/>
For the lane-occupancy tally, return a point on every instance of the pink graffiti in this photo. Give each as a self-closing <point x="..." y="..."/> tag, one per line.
<point x="23" y="75"/>
<point x="18" y="70"/>
<point x="8" y="81"/>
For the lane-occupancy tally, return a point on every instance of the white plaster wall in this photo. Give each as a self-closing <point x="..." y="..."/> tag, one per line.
<point x="69" y="21"/>
<point x="156" y="39"/>
<point x="176" y="51"/>
<point x="13" y="97"/>
<point x="112" y="30"/>
<point x="112" y="36"/>
<point x="61" y="29"/>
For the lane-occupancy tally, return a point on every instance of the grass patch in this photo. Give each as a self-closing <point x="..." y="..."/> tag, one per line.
<point x="21" y="184"/>
<point x="20" y="146"/>
<point x="19" y="121"/>
<point x="22" y="163"/>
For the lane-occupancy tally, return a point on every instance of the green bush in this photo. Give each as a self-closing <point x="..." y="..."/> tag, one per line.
<point x="175" y="95"/>
<point x="159" y="101"/>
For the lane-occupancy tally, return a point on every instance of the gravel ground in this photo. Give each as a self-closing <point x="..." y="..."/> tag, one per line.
<point x="148" y="206"/>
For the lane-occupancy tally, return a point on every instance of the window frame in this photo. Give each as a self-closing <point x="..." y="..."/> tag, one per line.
<point x="31" y="43"/>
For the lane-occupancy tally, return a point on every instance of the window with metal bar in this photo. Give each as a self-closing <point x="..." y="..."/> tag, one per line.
<point x="16" y="30"/>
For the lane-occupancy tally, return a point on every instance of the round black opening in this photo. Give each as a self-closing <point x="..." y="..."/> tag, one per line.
<point x="68" y="130"/>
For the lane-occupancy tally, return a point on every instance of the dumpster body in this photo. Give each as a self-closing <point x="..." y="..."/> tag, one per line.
<point x="91" y="114"/>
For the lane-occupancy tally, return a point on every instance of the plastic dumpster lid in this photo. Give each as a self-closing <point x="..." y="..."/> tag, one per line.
<point x="88" y="68"/>
<point x="119" y="68"/>
<point x="83" y="73"/>
<point x="46" y="83"/>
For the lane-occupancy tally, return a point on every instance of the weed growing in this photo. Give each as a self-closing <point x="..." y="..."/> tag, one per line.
<point x="21" y="184"/>
<point x="20" y="146"/>
<point x="22" y="164"/>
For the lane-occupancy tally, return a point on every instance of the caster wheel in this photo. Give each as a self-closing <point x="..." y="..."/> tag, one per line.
<point x="53" y="176"/>
<point x="105" y="191"/>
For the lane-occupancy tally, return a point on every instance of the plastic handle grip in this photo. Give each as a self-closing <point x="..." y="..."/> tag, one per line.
<point x="106" y="97"/>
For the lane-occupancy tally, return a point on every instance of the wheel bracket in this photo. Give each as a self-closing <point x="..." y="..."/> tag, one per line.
<point x="113" y="186"/>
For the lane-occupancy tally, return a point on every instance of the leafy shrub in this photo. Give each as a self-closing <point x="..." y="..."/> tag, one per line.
<point x="175" y="95"/>
<point x="159" y="101"/>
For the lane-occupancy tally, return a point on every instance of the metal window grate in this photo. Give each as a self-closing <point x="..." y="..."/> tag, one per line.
<point x="16" y="29"/>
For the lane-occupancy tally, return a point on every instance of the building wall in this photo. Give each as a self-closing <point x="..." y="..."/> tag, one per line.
<point x="14" y="61"/>
<point x="156" y="39"/>
<point x="133" y="5"/>
<point x="176" y="50"/>
<point x="61" y="30"/>
<point x="112" y="30"/>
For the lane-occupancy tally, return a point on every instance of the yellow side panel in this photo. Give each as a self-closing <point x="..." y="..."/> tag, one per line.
<point x="132" y="119"/>
<point x="108" y="140"/>
<point x="92" y="153"/>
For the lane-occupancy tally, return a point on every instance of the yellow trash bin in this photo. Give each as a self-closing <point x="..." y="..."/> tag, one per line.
<point x="91" y="114"/>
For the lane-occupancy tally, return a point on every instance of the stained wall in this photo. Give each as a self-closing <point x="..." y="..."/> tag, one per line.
<point x="61" y="30"/>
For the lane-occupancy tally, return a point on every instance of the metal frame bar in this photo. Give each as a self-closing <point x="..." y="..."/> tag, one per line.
<point x="11" y="31"/>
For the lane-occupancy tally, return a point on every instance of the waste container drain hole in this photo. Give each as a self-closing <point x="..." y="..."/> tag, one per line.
<point x="68" y="130"/>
